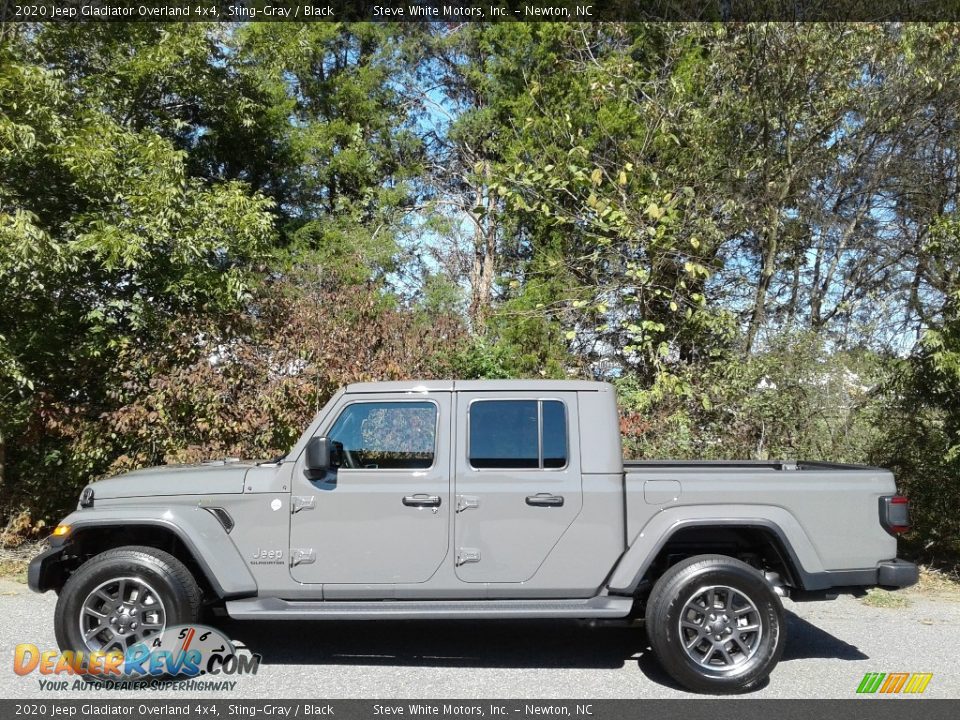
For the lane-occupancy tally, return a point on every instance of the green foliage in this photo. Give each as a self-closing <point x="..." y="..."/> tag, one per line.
<point x="920" y="438"/>
<point x="527" y="328"/>
<point x="480" y="360"/>
<point x="796" y="400"/>
<point x="330" y="96"/>
<point x="440" y="297"/>
<point x="104" y="237"/>
<point x="615" y="230"/>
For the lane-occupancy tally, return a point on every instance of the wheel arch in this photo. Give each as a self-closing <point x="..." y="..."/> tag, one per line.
<point x="193" y="536"/>
<point x="780" y="535"/>
<point x="759" y="541"/>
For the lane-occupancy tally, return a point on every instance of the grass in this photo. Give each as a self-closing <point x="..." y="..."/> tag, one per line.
<point x="876" y="597"/>
<point x="15" y="570"/>
<point x="934" y="583"/>
<point x="938" y="583"/>
<point x="14" y="561"/>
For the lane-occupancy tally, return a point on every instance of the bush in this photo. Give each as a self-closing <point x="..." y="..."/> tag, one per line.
<point x="796" y="400"/>
<point x="920" y="440"/>
<point x="241" y="387"/>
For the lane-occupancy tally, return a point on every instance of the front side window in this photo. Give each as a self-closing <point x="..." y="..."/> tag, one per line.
<point x="387" y="435"/>
<point x="518" y="434"/>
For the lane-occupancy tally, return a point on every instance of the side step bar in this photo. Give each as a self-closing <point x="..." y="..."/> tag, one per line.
<point x="277" y="609"/>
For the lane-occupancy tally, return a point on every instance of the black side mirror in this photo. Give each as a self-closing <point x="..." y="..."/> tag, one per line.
<point x="323" y="454"/>
<point x="318" y="454"/>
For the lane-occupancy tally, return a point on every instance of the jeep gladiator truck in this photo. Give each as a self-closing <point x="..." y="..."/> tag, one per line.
<point x="476" y="500"/>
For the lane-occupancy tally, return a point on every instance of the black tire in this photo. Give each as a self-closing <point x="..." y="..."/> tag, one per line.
<point x="167" y="577"/>
<point x="731" y="664"/>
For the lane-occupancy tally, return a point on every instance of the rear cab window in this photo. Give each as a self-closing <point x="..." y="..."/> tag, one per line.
<point x="517" y="435"/>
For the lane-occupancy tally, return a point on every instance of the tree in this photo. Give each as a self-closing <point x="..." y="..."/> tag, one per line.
<point x="249" y="386"/>
<point x="824" y="132"/>
<point x="921" y="438"/>
<point x="608" y="207"/>
<point x="104" y="237"/>
<point x="153" y="173"/>
<point x="346" y="180"/>
<point x="466" y="142"/>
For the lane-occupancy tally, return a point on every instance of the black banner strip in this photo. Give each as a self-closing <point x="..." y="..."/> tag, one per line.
<point x="478" y="10"/>
<point x="705" y="709"/>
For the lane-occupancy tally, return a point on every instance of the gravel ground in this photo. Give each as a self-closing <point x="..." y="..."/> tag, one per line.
<point x="829" y="648"/>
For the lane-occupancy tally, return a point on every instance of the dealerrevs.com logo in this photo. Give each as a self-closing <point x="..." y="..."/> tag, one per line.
<point x="178" y="654"/>
<point x="894" y="683"/>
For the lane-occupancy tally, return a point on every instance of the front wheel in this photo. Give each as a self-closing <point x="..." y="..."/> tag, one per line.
<point x="124" y="596"/>
<point x="715" y="624"/>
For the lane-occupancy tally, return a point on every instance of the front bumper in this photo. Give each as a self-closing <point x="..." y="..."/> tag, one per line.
<point x="46" y="570"/>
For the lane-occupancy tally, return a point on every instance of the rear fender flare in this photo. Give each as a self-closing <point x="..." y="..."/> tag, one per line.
<point x="647" y="544"/>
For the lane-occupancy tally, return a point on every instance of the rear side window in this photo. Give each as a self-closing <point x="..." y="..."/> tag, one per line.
<point x="518" y="434"/>
<point x="554" y="434"/>
<point x="387" y="435"/>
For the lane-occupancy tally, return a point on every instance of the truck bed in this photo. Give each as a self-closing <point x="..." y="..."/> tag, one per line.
<point x="782" y="465"/>
<point x="828" y="510"/>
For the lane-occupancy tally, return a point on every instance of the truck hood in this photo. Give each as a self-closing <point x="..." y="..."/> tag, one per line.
<point x="206" y="479"/>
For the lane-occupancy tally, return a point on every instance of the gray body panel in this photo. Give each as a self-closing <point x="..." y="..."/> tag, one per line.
<point x="211" y="479"/>
<point x="197" y="528"/>
<point x="827" y="519"/>
<point x="333" y="546"/>
<point x="277" y="609"/>
<point x="835" y="512"/>
<point x="355" y="523"/>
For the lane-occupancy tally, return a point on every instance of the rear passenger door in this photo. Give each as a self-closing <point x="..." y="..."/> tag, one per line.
<point x="518" y="483"/>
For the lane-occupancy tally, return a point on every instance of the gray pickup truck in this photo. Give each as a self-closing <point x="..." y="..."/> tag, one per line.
<point x="477" y="500"/>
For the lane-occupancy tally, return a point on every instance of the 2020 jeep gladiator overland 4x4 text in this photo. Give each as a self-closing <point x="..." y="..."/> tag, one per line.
<point x="478" y="499"/>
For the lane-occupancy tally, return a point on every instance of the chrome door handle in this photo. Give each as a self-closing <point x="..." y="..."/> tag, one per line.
<point x="421" y="500"/>
<point x="545" y="500"/>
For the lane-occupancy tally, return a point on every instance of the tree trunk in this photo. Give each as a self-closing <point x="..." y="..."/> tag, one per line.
<point x="3" y="457"/>
<point x="794" y="294"/>
<point x="815" y="298"/>
<point x="481" y="279"/>
<point x="768" y="267"/>
<point x="483" y="266"/>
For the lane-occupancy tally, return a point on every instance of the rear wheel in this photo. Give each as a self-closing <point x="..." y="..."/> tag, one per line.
<point x="715" y="624"/>
<point x="124" y="596"/>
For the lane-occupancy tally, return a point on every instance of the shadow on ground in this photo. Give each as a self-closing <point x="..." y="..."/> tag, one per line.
<point x="808" y="641"/>
<point x="493" y="644"/>
<point x="498" y="644"/>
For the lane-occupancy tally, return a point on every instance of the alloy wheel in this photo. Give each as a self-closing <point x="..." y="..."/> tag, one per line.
<point x="120" y="613"/>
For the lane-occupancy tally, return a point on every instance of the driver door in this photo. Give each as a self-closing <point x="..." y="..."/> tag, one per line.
<point x="382" y="516"/>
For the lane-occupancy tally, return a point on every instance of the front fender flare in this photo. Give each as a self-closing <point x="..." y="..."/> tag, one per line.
<point x="634" y="563"/>
<point x="199" y="531"/>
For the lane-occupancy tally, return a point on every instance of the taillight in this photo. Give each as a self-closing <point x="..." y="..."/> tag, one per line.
<point x="895" y="514"/>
